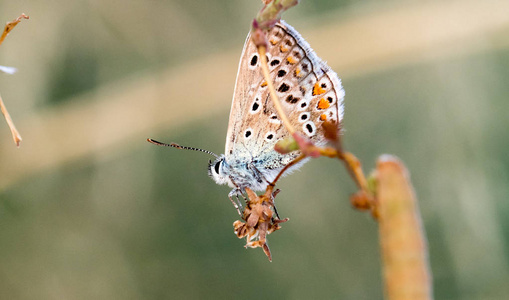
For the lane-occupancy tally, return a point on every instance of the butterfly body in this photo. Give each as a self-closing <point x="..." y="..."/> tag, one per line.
<point x="310" y="93"/>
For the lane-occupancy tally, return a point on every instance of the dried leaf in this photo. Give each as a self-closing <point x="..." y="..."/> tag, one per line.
<point x="287" y="145"/>
<point x="10" y="25"/>
<point x="331" y="131"/>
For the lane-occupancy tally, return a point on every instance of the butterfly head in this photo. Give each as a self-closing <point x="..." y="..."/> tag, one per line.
<point x="218" y="170"/>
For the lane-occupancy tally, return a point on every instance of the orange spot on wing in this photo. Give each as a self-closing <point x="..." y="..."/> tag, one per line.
<point x="318" y="90"/>
<point x="264" y="84"/>
<point x="297" y="71"/>
<point x="291" y="60"/>
<point x="323" y="117"/>
<point x="283" y="48"/>
<point x="323" y="104"/>
<point x="273" y="42"/>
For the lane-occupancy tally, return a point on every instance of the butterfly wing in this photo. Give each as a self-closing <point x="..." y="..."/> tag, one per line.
<point x="310" y="93"/>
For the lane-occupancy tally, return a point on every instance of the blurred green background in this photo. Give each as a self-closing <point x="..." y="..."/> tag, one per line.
<point x="90" y="210"/>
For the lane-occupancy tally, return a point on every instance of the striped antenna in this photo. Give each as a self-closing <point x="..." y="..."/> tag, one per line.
<point x="180" y="147"/>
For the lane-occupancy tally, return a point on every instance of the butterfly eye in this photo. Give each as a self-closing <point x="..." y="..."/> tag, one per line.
<point x="216" y="166"/>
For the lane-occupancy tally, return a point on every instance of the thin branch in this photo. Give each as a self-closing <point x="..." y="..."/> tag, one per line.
<point x="15" y="134"/>
<point x="402" y="240"/>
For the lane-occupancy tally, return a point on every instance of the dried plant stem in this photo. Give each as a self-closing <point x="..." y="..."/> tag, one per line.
<point x="404" y="250"/>
<point x="353" y="165"/>
<point x="265" y="69"/>
<point x="15" y="134"/>
<point x="10" y="25"/>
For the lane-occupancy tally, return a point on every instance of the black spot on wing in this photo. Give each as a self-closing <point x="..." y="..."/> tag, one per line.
<point x="283" y="88"/>
<point x="254" y="60"/>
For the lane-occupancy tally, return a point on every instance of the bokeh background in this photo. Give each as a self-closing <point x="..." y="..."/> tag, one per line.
<point x="90" y="210"/>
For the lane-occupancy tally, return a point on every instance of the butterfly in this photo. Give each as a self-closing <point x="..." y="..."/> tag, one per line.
<point x="310" y="92"/>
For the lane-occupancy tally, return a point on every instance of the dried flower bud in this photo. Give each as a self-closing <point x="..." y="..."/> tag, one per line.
<point x="287" y="145"/>
<point x="259" y="220"/>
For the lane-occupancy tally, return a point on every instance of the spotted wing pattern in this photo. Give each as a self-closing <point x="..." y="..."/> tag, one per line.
<point x="310" y="93"/>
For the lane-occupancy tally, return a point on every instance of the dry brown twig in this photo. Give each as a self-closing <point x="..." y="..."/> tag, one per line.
<point x="402" y="240"/>
<point x="10" y="25"/>
<point x="15" y="134"/>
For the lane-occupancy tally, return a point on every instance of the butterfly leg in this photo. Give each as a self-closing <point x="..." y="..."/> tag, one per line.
<point x="257" y="174"/>
<point x="242" y="195"/>
<point x="274" y="202"/>
<point x="275" y="211"/>
<point x="237" y="204"/>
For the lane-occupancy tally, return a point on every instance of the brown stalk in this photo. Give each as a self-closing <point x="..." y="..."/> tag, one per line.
<point x="404" y="251"/>
<point x="15" y="134"/>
